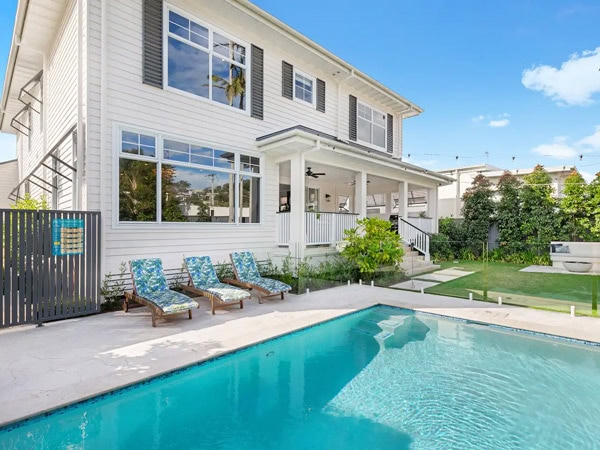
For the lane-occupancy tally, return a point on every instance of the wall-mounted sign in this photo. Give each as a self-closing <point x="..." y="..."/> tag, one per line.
<point x="67" y="237"/>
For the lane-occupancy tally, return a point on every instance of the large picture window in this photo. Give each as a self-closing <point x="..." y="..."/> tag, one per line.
<point x="371" y="125"/>
<point x="204" y="62"/>
<point x="169" y="180"/>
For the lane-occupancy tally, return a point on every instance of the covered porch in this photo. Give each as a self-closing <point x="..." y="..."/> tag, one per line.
<point x="335" y="184"/>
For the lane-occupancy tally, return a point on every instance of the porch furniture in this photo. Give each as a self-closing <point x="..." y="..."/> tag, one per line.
<point x="150" y="288"/>
<point x="247" y="276"/>
<point x="203" y="281"/>
<point x="577" y="257"/>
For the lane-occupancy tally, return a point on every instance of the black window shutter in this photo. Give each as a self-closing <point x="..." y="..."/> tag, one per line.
<point x="287" y="80"/>
<point x="390" y="133"/>
<point x="320" y="95"/>
<point x="352" y="116"/>
<point x="153" y="43"/>
<point x="257" y="70"/>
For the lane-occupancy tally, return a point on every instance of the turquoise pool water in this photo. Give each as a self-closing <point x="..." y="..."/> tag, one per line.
<point x="379" y="379"/>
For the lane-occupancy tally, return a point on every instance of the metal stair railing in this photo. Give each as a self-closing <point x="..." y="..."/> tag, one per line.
<point x="415" y="237"/>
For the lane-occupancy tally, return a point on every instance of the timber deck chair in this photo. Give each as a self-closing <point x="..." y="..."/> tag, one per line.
<point x="204" y="281"/>
<point x="247" y="276"/>
<point x="150" y="288"/>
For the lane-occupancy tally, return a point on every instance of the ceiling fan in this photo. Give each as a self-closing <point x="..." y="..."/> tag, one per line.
<point x="310" y="173"/>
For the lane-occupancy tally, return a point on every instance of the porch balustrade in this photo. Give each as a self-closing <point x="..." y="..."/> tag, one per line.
<point x="423" y="223"/>
<point x="321" y="228"/>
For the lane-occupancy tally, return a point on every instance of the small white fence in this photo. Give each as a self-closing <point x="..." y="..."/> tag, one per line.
<point x="321" y="228"/>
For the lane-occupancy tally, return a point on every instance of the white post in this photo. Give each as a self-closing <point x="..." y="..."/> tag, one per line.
<point x="458" y="196"/>
<point x="499" y="300"/>
<point x="572" y="311"/>
<point x="372" y="283"/>
<point x="471" y="296"/>
<point x="360" y="282"/>
<point x="360" y="194"/>
<point x="432" y="207"/>
<point x="297" y="206"/>
<point x="402" y="200"/>
<point x="422" y="290"/>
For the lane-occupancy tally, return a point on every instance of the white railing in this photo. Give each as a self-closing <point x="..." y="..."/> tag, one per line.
<point x="283" y="228"/>
<point x="423" y="223"/>
<point x="414" y="236"/>
<point x="321" y="228"/>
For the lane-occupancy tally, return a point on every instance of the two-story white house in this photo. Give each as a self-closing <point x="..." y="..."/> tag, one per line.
<point x="200" y="127"/>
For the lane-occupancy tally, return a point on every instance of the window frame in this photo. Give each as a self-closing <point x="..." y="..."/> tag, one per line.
<point x="211" y="30"/>
<point x="159" y="160"/>
<point x="385" y="128"/>
<point x="313" y="91"/>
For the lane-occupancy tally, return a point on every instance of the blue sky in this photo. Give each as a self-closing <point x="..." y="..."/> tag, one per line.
<point x="510" y="83"/>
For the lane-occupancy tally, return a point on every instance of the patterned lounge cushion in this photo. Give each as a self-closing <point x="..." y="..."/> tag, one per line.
<point x="171" y="301"/>
<point x="227" y="293"/>
<point x="148" y="276"/>
<point x="202" y="271"/>
<point x="245" y="266"/>
<point x="270" y="285"/>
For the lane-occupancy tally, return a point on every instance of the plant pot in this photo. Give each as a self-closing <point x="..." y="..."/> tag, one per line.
<point x="577" y="266"/>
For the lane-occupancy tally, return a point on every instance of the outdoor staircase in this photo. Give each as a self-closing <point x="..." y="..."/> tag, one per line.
<point x="413" y="263"/>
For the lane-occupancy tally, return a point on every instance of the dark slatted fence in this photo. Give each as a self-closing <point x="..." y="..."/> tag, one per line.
<point x="50" y="265"/>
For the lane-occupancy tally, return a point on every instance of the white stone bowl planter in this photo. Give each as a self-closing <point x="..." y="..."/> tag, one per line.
<point x="577" y="266"/>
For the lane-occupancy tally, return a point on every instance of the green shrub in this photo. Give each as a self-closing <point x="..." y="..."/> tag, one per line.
<point x="372" y="244"/>
<point x="440" y="247"/>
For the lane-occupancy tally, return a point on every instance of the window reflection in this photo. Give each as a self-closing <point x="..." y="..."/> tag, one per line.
<point x="188" y="68"/>
<point x="249" y="199"/>
<point x="197" y="195"/>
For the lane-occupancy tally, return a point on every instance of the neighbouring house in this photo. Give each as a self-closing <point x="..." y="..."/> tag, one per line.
<point x="9" y="177"/>
<point x="202" y="127"/>
<point x="450" y="196"/>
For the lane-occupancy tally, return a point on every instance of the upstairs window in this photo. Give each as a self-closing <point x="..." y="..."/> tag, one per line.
<point x="205" y="62"/>
<point x="304" y="87"/>
<point x="371" y="125"/>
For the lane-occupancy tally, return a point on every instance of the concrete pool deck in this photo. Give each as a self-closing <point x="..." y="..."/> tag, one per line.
<point x="70" y="360"/>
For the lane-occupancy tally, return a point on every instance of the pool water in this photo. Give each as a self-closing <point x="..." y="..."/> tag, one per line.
<point x="382" y="378"/>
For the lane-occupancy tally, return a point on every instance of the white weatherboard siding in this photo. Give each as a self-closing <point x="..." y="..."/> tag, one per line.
<point x="129" y="102"/>
<point x="9" y="176"/>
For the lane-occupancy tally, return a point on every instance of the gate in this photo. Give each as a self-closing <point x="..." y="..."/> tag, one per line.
<point x="50" y="265"/>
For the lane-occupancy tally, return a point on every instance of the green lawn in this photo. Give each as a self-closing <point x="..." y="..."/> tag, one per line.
<point x="543" y="290"/>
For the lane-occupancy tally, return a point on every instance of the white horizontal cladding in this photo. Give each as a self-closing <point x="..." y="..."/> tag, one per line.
<point x="423" y="223"/>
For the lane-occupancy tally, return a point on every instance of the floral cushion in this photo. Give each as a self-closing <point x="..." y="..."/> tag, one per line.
<point x="245" y="266"/>
<point x="247" y="271"/>
<point x="148" y="276"/>
<point x="270" y="285"/>
<point x="227" y="293"/>
<point x="150" y="283"/>
<point x="202" y="271"/>
<point x="170" y="301"/>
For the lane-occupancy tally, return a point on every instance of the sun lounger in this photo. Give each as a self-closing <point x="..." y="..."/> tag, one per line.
<point x="247" y="276"/>
<point x="203" y="281"/>
<point x="150" y="288"/>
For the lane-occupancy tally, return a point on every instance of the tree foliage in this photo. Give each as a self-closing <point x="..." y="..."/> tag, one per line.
<point x="478" y="212"/>
<point x="372" y="244"/>
<point x="575" y="207"/>
<point x="541" y="219"/>
<point x="593" y="191"/>
<point x="28" y="202"/>
<point x="509" y="215"/>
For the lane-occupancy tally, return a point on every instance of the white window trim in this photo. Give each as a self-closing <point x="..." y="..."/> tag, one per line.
<point x="366" y="143"/>
<point x="118" y="128"/>
<point x="314" y="88"/>
<point x="211" y="29"/>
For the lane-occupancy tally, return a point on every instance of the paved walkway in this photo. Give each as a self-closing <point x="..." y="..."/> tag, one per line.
<point x="65" y="361"/>
<point x="432" y="279"/>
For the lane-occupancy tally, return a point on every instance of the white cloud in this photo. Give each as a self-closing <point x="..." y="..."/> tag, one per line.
<point x="499" y="123"/>
<point x="592" y="141"/>
<point x="559" y="149"/>
<point x="587" y="176"/>
<point x="574" y="83"/>
<point x="478" y="118"/>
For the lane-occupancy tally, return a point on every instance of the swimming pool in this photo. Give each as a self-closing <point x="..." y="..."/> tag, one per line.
<point x="383" y="378"/>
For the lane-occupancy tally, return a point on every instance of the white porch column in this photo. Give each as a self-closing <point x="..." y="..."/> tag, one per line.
<point x="432" y="207"/>
<point x="297" y="206"/>
<point x="403" y="199"/>
<point x="360" y="194"/>
<point x="389" y="205"/>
